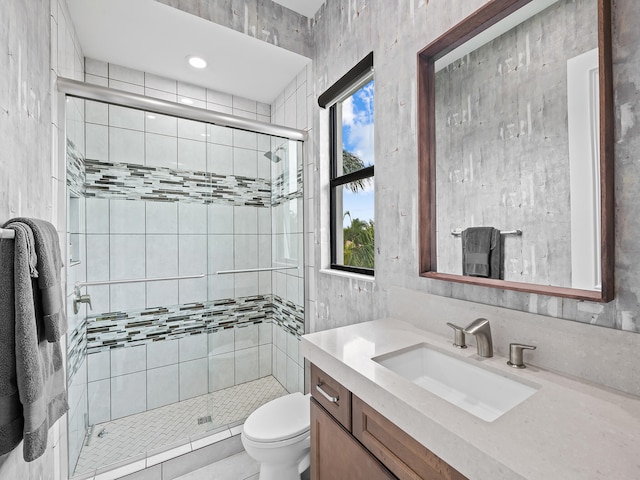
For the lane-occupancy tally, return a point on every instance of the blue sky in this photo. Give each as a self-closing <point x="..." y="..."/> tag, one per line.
<point x="357" y="138"/>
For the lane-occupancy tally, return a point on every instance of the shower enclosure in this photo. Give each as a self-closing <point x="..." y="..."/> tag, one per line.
<point x="185" y="235"/>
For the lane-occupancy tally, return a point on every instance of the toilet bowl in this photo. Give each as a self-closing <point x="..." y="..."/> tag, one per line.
<point x="277" y="436"/>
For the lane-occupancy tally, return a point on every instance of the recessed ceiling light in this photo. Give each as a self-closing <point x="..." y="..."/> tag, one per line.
<point x="151" y="117"/>
<point x="186" y="101"/>
<point x="196" y="62"/>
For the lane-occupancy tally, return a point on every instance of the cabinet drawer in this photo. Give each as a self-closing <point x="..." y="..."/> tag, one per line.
<point x="399" y="452"/>
<point x="335" y="398"/>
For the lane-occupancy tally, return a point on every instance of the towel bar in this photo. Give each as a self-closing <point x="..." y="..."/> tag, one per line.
<point x="7" y="233"/>
<point x="246" y="270"/>
<point x="137" y="280"/>
<point x="458" y="231"/>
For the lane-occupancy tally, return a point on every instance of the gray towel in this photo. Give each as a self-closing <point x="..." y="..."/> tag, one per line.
<point x="482" y="252"/>
<point x="49" y="264"/>
<point x="32" y="380"/>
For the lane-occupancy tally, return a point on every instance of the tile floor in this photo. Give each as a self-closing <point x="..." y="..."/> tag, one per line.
<point x="168" y="425"/>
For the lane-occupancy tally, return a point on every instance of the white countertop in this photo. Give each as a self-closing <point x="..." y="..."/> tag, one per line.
<point x="568" y="429"/>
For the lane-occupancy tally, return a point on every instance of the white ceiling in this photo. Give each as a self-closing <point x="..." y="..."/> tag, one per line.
<point x="155" y="38"/>
<point x="308" y="8"/>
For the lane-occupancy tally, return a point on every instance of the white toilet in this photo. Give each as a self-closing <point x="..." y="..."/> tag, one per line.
<point x="277" y="436"/>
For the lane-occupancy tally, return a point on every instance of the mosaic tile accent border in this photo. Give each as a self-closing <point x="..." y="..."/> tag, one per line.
<point x="76" y="349"/>
<point x="75" y="169"/>
<point x="288" y="315"/>
<point x="139" y="182"/>
<point x="279" y="188"/>
<point x="117" y="329"/>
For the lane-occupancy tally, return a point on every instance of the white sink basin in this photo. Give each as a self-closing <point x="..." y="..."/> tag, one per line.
<point x="481" y="392"/>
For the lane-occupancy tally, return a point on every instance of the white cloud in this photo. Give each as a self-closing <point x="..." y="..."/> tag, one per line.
<point x="357" y="117"/>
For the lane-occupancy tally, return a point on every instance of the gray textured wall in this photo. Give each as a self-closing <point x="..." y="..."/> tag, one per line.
<point x="25" y="109"/>
<point x="503" y="145"/>
<point x="263" y="19"/>
<point x="344" y="32"/>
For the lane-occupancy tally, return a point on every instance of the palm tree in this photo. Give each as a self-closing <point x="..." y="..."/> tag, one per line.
<point x="351" y="163"/>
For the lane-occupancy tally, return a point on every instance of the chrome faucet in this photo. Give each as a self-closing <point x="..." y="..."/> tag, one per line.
<point x="482" y="330"/>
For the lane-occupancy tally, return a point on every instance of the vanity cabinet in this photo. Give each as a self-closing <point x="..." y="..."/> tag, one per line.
<point x="351" y="440"/>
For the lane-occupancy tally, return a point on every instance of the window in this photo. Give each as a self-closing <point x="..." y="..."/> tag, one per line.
<point x="352" y="171"/>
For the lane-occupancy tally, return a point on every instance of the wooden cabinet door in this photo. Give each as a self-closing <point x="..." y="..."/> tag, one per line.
<point x="401" y="453"/>
<point x="336" y="455"/>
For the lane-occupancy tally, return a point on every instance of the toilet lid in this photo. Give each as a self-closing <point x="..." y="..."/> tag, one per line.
<point x="279" y="419"/>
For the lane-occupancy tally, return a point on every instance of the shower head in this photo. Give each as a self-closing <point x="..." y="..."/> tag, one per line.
<point x="273" y="156"/>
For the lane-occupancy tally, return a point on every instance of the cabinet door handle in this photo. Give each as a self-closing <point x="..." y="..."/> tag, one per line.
<point x="330" y="398"/>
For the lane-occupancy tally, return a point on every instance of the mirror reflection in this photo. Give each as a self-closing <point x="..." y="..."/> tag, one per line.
<point x="517" y="150"/>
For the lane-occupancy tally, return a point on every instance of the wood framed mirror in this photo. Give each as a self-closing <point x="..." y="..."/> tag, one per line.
<point x="502" y="98"/>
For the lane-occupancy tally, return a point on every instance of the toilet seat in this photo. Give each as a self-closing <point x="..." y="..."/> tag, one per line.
<point x="281" y="421"/>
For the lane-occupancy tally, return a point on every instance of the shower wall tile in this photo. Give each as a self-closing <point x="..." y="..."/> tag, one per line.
<point x="127" y="87"/>
<point x="124" y="117"/>
<point x="162" y="353"/>
<point x="220" y="159"/>
<point x="100" y="298"/>
<point x="221" y="219"/>
<point x="264" y="252"/>
<point x="96" y="67"/>
<point x="221" y="371"/>
<point x="247" y="365"/>
<point x="280" y="370"/>
<point x="161" y="151"/>
<point x="293" y="371"/>
<point x="150" y="92"/>
<point x="220" y="135"/>
<point x="127" y="258"/>
<point x="162" y="256"/>
<point x="221" y="341"/>
<point x="161" y="217"/>
<point x="160" y="83"/>
<point x="162" y="293"/>
<point x="128" y="360"/>
<point x="192" y="218"/>
<point x="245" y="252"/>
<point x="220" y="253"/>
<point x="193" y="290"/>
<point x="192" y="254"/>
<point x="245" y="162"/>
<point x="193" y="347"/>
<point x="246" y="336"/>
<point x="194" y="377"/>
<point x="161" y="124"/>
<point x="246" y="284"/>
<point x="265" y="360"/>
<point x="245" y="139"/>
<point x="127" y="297"/>
<point x="126" y="217"/>
<point x="191" y="129"/>
<point x="162" y="386"/>
<point x="99" y="365"/>
<point x="219" y="98"/>
<point x="264" y="283"/>
<point x="221" y="287"/>
<point x="97" y="142"/>
<point x="96" y="112"/>
<point x="99" y="396"/>
<point x="245" y="220"/>
<point x="126" y="146"/>
<point x="293" y="343"/>
<point x="124" y="74"/>
<point x="192" y="91"/>
<point x="97" y="260"/>
<point x="244" y="104"/>
<point x="97" y="219"/>
<point x="192" y="155"/>
<point x="128" y="394"/>
<point x="265" y="333"/>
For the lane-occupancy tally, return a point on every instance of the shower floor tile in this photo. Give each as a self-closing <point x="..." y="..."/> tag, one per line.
<point x="147" y="431"/>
